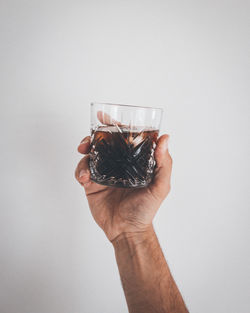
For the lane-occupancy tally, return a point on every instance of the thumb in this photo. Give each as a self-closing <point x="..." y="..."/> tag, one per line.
<point x="160" y="185"/>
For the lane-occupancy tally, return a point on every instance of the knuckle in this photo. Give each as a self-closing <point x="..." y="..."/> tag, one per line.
<point x="166" y="191"/>
<point x="82" y="165"/>
<point x="169" y="160"/>
<point x="167" y="187"/>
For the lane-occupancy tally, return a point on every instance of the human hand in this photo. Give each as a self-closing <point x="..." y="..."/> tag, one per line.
<point x="119" y="210"/>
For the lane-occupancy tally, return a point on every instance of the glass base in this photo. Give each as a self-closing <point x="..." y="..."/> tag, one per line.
<point x="120" y="184"/>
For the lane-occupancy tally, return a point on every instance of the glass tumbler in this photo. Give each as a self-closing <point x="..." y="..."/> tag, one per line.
<point x="123" y="139"/>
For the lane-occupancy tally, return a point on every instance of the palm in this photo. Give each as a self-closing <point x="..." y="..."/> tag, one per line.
<point x="118" y="209"/>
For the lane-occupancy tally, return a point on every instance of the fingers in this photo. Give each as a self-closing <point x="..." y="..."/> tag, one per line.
<point x="84" y="145"/>
<point x="106" y="119"/>
<point x="160" y="185"/>
<point x="82" y="173"/>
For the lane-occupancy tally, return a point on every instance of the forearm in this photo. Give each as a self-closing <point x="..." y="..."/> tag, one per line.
<point x="146" y="278"/>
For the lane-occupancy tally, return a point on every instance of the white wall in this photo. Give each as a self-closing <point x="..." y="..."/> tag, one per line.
<point x="190" y="57"/>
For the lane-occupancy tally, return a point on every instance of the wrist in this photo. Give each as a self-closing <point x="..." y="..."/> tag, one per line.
<point x="134" y="238"/>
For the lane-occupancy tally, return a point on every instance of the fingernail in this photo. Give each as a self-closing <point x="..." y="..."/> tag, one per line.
<point x="86" y="140"/>
<point x="82" y="173"/>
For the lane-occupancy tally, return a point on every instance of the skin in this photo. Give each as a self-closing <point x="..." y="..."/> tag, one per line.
<point x="126" y="217"/>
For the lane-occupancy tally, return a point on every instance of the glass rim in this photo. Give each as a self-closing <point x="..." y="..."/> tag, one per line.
<point x="127" y="105"/>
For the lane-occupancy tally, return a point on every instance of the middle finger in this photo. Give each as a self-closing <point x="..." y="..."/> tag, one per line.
<point x="84" y="145"/>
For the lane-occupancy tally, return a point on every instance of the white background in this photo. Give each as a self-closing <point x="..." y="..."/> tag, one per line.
<point x="190" y="57"/>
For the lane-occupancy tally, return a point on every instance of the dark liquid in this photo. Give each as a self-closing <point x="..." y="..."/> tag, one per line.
<point x="122" y="158"/>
